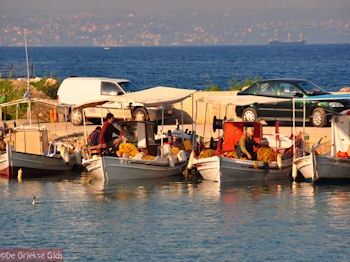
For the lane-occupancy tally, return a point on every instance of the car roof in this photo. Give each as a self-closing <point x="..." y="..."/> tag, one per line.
<point x="100" y="78"/>
<point x="284" y="79"/>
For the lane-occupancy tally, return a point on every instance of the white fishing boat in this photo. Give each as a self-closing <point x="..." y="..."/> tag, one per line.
<point x="333" y="166"/>
<point x="223" y="168"/>
<point x="114" y="168"/>
<point x="30" y="156"/>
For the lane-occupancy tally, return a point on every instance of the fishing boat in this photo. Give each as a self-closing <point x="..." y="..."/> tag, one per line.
<point x="163" y="162"/>
<point x="31" y="156"/>
<point x="333" y="166"/>
<point x="224" y="168"/>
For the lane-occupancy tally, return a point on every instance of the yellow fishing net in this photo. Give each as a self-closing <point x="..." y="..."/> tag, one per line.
<point x="207" y="153"/>
<point x="127" y="149"/>
<point x="265" y="154"/>
<point x="175" y="150"/>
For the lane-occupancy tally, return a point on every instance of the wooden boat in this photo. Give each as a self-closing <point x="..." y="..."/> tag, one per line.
<point x="224" y="169"/>
<point x="221" y="168"/>
<point x="15" y="164"/>
<point x="29" y="155"/>
<point x="113" y="168"/>
<point x="333" y="166"/>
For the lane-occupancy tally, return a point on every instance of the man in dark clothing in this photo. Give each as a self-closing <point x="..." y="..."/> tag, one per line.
<point x="245" y="145"/>
<point x="107" y="142"/>
<point x="94" y="137"/>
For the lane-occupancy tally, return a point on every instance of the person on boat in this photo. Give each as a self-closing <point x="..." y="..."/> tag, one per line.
<point x="94" y="137"/>
<point x="245" y="146"/>
<point x="108" y="143"/>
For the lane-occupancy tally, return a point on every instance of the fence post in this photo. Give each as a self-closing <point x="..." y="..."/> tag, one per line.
<point x="32" y="71"/>
<point x="11" y="72"/>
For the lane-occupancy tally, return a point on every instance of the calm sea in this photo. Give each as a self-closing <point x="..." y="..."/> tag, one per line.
<point x="169" y="219"/>
<point x="187" y="67"/>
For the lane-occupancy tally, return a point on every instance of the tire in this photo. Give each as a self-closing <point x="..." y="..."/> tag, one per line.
<point x="76" y="117"/>
<point x="140" y="114"/>
<point x="249" y="115"/>
<point x="319" y="117"/>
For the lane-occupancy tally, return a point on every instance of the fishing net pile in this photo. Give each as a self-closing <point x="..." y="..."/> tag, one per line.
<point x="265" y="154"/>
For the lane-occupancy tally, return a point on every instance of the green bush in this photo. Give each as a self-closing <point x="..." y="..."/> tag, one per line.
<point x="236" y="85"/>
<point x="50" y="91"/>
<point x="7" y="89"/>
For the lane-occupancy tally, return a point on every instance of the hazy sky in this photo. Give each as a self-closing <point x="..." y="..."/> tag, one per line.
<point x="157" y="5"/>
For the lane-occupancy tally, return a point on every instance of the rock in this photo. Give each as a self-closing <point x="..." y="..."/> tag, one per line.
<point x="35" y="79"/>
<point x="345" y="89"/>
<point x="50" y="82"/>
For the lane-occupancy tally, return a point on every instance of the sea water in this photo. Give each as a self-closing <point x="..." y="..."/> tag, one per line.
<point x="186" y="67"/>
<point x="172" y="220"/>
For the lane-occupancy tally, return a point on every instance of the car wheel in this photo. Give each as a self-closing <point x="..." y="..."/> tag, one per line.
<point x="319" y="117"/>
<point x="140" y="114"/>
<point x="76" y="117"/>
<point x="249" y="115"/>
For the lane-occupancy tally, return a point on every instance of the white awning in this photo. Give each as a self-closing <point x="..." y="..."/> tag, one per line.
<point x="241" y="100"/>
<point x="156" y="96"/>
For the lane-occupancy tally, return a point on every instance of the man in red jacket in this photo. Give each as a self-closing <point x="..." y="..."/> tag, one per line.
<point x="108" y="143"/>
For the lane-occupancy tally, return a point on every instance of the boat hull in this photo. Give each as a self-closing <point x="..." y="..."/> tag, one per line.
<point x="109" y="168"/>
<point x="32" y="165"/>
<point x="324" y="168"/>
<point x="223" y="169"/>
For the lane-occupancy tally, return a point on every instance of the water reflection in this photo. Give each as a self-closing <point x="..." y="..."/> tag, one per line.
<point x="134" y="189"/>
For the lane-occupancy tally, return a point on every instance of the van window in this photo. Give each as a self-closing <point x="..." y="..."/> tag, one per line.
<point x="129" y="87"/>
<point x="109" y="88"/>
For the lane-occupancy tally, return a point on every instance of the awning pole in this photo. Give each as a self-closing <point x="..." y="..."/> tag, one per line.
<point x="304" y="119"/>
<point x="192" y="113"/>
<point x="294" y="153"/>
<point x="162" y="127"/>
<point x="182" y="123"/>
<point x="85" y="135"/>
<point x="101" y="115"/>
<point x="195" y="126"/>
<point x="205" y="120"/>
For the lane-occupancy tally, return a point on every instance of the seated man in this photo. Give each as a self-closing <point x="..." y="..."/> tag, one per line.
<point x="94" y="137"/>
<point x="108" y="143"/>
<point x="245" y="145"/>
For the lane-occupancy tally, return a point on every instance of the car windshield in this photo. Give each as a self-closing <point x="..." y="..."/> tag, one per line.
<point x="311" y="88"/>
<point x="129" y="87"/>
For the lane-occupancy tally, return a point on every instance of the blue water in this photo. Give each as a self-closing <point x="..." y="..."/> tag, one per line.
<point x="170" y="220"/>
<point x="187" y="67"/>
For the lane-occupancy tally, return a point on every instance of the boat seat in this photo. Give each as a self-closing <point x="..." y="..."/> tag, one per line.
<point x="93" y="150"/>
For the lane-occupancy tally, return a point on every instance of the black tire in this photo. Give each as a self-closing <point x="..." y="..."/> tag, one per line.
<point x="76" y="117"/>
<point x="319" y="117"/>
<point x="249" y="115"/>
<point x="140" y="114"/>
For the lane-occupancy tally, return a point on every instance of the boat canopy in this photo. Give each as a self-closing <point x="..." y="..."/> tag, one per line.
<point x="156" y="96"/>
<point x="241" y="100"/>
<point x="325" y="97"/>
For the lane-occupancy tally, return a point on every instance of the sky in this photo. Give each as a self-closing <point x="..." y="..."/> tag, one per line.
<point x="158" y="5"/>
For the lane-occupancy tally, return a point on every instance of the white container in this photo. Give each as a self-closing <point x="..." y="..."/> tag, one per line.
<point x="171" y="160"/>
<point x="167" y="148"/>
<point x="181" y="156"/>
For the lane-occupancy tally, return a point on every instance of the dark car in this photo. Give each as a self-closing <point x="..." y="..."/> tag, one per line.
<point x="318" y="112"/>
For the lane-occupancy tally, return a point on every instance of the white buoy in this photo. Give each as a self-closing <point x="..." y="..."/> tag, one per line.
<point x="33" y="203"/>
<point x="294" y="171"/>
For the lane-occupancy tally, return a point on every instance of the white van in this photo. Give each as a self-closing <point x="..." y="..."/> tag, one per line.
<point x="77" y="90"/>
